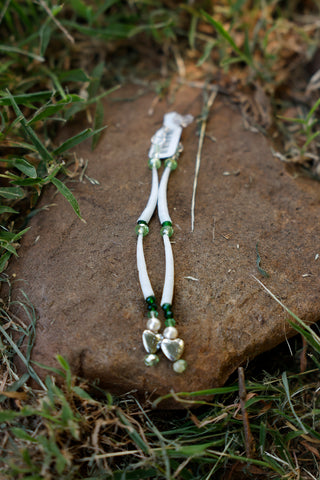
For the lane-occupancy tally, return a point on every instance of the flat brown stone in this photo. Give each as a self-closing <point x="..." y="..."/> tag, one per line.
<point x="83" y="281"/>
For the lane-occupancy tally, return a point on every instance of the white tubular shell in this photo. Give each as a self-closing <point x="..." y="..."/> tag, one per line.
<point x="167" y="293"/>
<point x="142" y="269"/>
<point x="152" y="202"/>
<point x="163" y="211"/>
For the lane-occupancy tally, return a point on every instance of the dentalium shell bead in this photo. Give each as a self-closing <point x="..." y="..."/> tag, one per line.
<point x="142" y="228"/>
<point x="179" y="366"/>
<point x="170" y="333"/>
<point x="153" y="324"/>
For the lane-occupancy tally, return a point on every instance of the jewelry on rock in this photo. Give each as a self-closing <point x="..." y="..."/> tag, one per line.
<point x="164" y="146"/>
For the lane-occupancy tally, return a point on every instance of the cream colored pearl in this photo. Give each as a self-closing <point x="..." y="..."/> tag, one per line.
<point x="179" y="366"/>
<point x="153" y="324"/>
<point x="170" y="332"/>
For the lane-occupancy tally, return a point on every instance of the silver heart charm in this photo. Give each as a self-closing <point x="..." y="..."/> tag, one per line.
<point x="151" y="341"/>
<point x="173" y="349"/>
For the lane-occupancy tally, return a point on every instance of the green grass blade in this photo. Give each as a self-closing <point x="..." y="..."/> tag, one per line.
<point x="27" y="182"/>
<point x="105" y="6"/>
<point x="17" y="351"/>
<point x="25" y="167"/>
<point x="316" y="361"/>
<point x="76" y="75"/>
<point x="193" y="31"/>
<point x="11" y="193"/>
<point x="64" y="190"/>
<point x="98" y="124"/>
<point x="18" y="235"/>
<point x="73" y="141"/>
<point x="8" y="415"/>
<point x="9" y="49"/>
<point x="77" y="107"/>
<point x="300" y="121"/>
<point x="198" y="393"/>
<point x="5" y="209"/>
<point x="9" y="248"/>
<point x="22" y="434"/>
<point x="287" y="390"/>
<point x="16" y="385"/>
<point x="65" y="365"/>
<point x="48" y="110"/>
<point x="57" y="371"/>
<point x="25" y="98"/>
<point x="4" y="260"/>
<point x="45" y="33"/>
<point x="84" y="11"/>
<point x="43" y="152"/>
<point x="220" y="29"/>
<point x="312" y="338"/>
<point x="112" y="31"/>
<point x="5" y="66"/>
<point x="310" y="139"/>
<point x="133" y="434"/>
<point x="55" y="81"/>
<point x="82" y="393"/>
<point x="313" y="109"/>
<point x="95" y="81"/>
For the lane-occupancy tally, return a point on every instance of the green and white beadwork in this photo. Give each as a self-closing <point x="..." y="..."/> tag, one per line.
<point x="153" y="341"/>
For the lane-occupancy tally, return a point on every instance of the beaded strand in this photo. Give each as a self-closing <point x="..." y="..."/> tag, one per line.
<point x="171" y="346"/>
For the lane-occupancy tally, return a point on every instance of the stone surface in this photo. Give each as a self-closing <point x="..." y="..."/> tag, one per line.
<point x="83" y="281"/>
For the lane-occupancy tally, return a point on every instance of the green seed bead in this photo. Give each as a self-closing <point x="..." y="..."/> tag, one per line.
<point x="151" y="303"/>
<point x="153" y="314"/>
<point x="151" y="360"/>
<point x="152" y="308"/>
<point x="151" y="300"/>
<point x="167" y="230"/>
<point x="154" y="162"/>
<point x="166" y="224"/>
<point x="170" y="322"/>
<point x="166" y="306"/>
<point x="172" y="163"/>
<point x="168" y="314"/>
<point x="142" y="228"/>
<point x="167" y="310"/>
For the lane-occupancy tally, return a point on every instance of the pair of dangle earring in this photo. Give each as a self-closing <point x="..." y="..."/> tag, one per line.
<point x="165" y="146"/>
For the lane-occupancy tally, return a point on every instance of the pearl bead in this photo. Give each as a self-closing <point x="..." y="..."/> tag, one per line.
<point x="179" y="366"/>
<point x="151" y="360"/>
<point x="170" y="333"/>
<point x="153" y="324"/>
